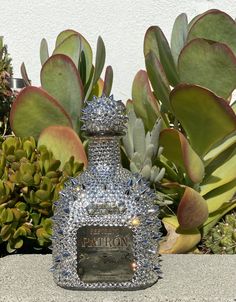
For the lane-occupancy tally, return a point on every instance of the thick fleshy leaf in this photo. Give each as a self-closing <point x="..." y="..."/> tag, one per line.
<point x="192" y="210"/>
<point x="206" y="118"/>
<point x="98" y="88"/>
<point x="215" y="25"/>
<point x="43" y="51"/>
<point x="221" y="176"/>
<point x="215" y="71"/>
<point x="108" y="81"/>
<point x="64" y="143"/>
<point x="158" y="79"/>
<point x="86" y="55"/>
<point x="33" y="110"/>
<point x="145" y="104"/>
<point x="25" y="75"/>
<point x="100" y="60"/>
<point x="99" y="64"/>
<point x="221" y="195"/>
<point x="221" y="159"/>
<point x="60" y="77"/>
<point x="155" y="41"/>
<point x="220" y="148"/>
<point x="178" y="241"/>
<point x="86" y="60"/>
<point x="70" y="47"/>
<point x="178" y="150"/>
<point x="64" y="35"/>
<point x="179" y="35"/>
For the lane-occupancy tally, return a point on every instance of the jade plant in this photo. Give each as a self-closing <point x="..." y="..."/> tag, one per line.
<point x="6" y="94"/>
<point x="30" y="180"/>
<point x="188" y="85"/>
<point x="68" y="80"/>
<point x="222" y="238"/>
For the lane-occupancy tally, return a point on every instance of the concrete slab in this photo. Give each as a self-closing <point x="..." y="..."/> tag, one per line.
<point x="187" y="278"/>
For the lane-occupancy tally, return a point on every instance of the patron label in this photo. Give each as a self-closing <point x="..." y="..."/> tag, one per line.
<point x="105" y="254"/>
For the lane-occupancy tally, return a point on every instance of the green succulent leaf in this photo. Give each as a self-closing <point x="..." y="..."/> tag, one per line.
<point x="64" y="35"/>
<point x="108" y="81"/>
<point x="221" y="176"/>
<point x="155" y="41"/>
<point x="33" y="110"/>
<point x="60" y="78"/>
<point x="220" y="196"/>
<point x="24" y="74"/>
<point x="144" y="102"/>
<point x="215" y="25"/>
<point x="70" y="47"/>
<point x="192" y="210"/>
<point x="215" y="71"/>
<point x="217" y="150"/>
<point x="44" y="55"/>
<point x="182" y="154"/>
<point x="99" y="64"/>
<point x="179" y="35"/>
<point x="64" y="143"/>
<point x="86" y="55"/>
<point x="100" y="60"/>
<point x="216" y="121"/>
<point x="158" y="79"/>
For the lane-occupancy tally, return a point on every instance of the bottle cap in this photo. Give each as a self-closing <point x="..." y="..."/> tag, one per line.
<point x="104" y="116"/>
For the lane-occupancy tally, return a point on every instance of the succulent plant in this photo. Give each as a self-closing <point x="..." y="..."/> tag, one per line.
<point x="142" y="148"/>
<point x="6" y="94"/>
<point x="191" y="94"/>
<point x="222" y="237"/>
<point x="30" y="180"/>
<point x="68" y="80"/>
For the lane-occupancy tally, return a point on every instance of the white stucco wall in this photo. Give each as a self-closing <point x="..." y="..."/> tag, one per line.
<point x="122" y="25"/>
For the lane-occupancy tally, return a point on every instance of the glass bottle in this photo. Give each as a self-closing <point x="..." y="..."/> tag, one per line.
<point x="106" y="229"/>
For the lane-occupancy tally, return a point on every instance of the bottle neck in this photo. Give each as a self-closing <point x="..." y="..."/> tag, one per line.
<point x="104" y="153"/>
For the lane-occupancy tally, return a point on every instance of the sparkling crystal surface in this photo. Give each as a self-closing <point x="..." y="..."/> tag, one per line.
<point x="107" y="214"/>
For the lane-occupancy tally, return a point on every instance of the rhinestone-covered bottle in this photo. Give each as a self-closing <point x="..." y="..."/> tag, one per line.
<point x="106" y="230"/>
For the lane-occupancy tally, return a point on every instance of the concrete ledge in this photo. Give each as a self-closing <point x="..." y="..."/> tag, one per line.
<point x="193" y="278"/>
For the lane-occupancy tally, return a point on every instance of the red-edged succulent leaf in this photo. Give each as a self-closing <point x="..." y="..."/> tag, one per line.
<point x="108" y="81"/>
<point x="214" y="25"/>
<point x="33" y="110"/>
<point x="155" y="41"/>
<point x="64" y="143"/>
<point x="178" y="150"/>
<point x="205" y="117"/>
<point x="192" y="210"/>
<point x="60" y="77"/>
<point x="145" y="104"/>
<point x="209" y="64"/>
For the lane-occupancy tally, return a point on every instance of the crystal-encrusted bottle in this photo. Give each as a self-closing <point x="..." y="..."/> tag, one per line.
<point x="106" y="229"/>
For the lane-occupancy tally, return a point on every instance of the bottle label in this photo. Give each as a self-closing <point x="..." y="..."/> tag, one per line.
<point x="105" y="254"/>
